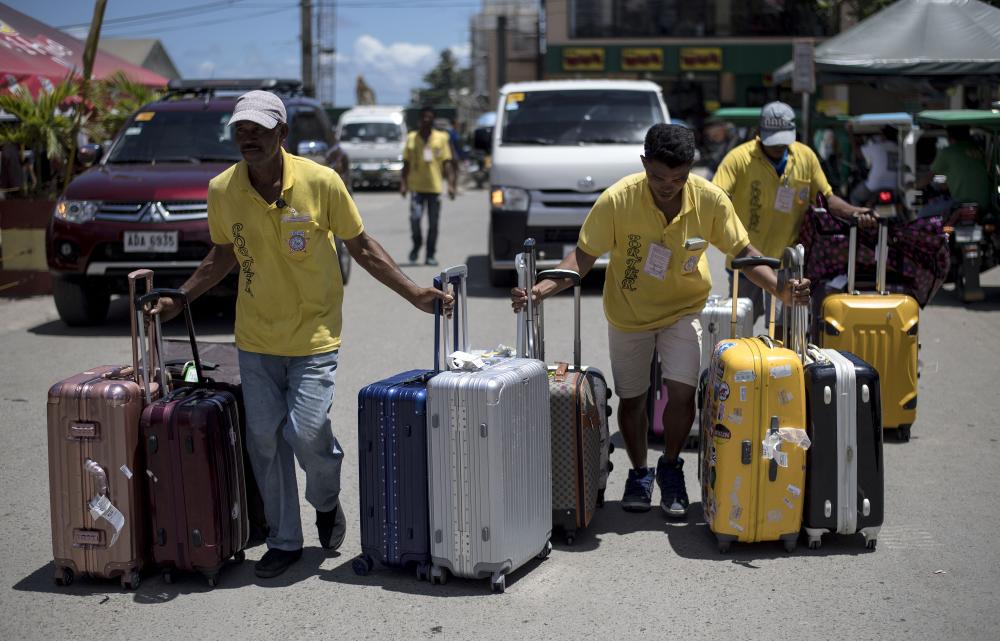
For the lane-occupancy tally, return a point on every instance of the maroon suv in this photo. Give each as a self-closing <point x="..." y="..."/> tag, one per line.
<point x="145" y="203"/>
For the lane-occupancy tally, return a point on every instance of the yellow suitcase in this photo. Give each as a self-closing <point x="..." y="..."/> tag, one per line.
<point x="881" y="329"/>
<point x="752" y="457"/>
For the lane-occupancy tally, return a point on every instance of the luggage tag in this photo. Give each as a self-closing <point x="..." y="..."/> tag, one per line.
<point x="428" y="152"/>
<point x="657" y="261"/>
<point x="189" y="373"/>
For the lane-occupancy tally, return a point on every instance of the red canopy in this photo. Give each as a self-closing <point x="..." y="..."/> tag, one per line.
<point x="35" y="55"/>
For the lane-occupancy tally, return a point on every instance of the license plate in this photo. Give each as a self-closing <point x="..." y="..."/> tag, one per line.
<point x="151" y="241"/>
<point x="972" y="234"/>
<point x="371" y="166"/>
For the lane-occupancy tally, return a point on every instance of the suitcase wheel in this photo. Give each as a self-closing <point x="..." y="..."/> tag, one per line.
<point x="131" y="580"/>
<point x="363" y="564"/>
<point x="168" y="576"/>
<point x="903" y="433"/>
<point x="871" y="544"/>
<point x="240" y="556"/>
<point x="64" y="576"/>
<point x="547" y="550"/>
<point x="213" y="579"/>
<point x="498" y="582"/>
<point x="600" y="498"/>
<point x="439" y="575"/>
<point x="790" y="545"/>
<point x="725" y="547"/>
<point x="423" y="571"/>
<point x="815" y="544"/>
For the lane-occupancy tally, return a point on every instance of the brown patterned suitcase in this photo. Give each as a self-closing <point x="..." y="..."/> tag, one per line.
<point x="97" y="498"/>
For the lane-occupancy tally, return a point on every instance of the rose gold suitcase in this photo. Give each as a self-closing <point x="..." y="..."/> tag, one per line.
<point x="96" y="483"/>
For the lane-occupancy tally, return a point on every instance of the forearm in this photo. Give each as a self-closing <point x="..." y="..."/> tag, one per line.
<point x="216" y="265"/>
<point x="451" y="173"/>
<point x="578" y="261"/>
<point x="839" y="207"/>
<point x="376" y="261"/>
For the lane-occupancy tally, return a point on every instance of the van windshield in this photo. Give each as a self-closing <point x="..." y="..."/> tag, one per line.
<point x="371" y="132"/>
<point x="176" y="136"/>
<point x="579" y="117"/>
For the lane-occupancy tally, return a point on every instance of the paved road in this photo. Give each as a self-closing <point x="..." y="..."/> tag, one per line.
<point x="936" y="573"/>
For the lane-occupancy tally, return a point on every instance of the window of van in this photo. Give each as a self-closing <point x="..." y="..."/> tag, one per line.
<point x="579" y="117"/>
<point x="371" y="132"/>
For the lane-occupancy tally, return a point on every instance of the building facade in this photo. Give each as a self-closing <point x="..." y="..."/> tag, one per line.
<point x="505" y="45"/>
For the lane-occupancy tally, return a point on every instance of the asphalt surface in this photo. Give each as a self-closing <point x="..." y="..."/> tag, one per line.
<point x="935" y="574"/>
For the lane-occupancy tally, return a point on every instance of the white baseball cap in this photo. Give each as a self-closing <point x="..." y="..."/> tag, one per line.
<point x="777" y="124"/>
<point x="261" y="107"/>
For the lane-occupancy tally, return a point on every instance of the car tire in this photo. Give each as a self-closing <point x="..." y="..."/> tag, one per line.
<point x="80" y="303"/>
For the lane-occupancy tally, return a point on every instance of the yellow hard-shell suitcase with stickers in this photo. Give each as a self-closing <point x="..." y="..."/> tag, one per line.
<point x="752" y="456"/>
<point x="881" y="329"/>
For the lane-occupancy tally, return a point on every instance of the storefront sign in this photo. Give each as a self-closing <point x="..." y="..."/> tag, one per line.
<point x="642" y="59"/>
<point x="701" y="59"/>
<point x="583" y="59"/>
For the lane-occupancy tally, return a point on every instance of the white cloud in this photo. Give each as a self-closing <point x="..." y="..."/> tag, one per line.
<point x="397" y="57"/>
<point x="461" y="53"/>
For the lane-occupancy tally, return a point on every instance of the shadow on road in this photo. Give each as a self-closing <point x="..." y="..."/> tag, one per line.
<point x="950" y="298"/>
<point x="212" y="315"/>
<point x="154" y="589"/>
<point x="405" y="581"/>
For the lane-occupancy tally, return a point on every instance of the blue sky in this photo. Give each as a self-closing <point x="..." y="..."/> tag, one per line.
<point x="392" y="43"/>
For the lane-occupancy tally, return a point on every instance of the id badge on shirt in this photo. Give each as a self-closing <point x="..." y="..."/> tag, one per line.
<point x="428" y="153"/>
<point x="784" y="199"/>
<point x="657" y="261"/>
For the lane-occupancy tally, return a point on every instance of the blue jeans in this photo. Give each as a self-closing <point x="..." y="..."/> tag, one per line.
<point x="288" y="402"/>
<point x="433" y="204"/>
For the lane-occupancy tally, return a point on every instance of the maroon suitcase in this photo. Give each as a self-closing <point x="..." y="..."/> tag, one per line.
<point x="197" y="495"/>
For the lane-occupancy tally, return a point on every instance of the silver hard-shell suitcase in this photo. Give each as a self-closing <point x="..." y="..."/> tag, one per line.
<point x="489" y="461"/>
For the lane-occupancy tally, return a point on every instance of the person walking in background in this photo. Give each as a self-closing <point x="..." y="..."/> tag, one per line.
<point x="427" y="158"/>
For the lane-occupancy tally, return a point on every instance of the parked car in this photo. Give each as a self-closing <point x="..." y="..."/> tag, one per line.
<point x="145" y="201"/>
<point x="374" y="138"/>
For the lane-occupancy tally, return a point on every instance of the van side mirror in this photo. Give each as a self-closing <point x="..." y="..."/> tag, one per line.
<point x="89" y="154"/>
<point x="482" y="139"/>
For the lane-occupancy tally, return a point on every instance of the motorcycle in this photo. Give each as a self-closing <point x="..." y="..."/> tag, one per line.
<point x="973" y="242"/>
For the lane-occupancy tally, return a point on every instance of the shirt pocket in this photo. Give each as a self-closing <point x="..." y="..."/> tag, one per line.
<point x="801" y="190"/>
<point x="299" y="238"/>
<point x="689" y="261"/>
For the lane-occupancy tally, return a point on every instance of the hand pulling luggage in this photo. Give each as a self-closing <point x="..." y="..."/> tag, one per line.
<point x="96" y="470"/>
<point x="194" y="461"/>
<point x="844" y="466"/>
<point x="752" y="456"/>
<point x="392" y="453"/>
<point x="882" y="330"/>
<point x="221" y="363"/>
<point x="715" y="326"/>
<point x="489" y="457"/>
<point x="578" y="398"/>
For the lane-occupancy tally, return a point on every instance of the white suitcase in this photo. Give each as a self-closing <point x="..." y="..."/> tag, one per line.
<point x="489" y="462"/>
<point x="716" y="325"/>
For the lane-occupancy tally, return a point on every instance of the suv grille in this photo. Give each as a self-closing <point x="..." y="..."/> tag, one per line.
<point x="153" y="212"/>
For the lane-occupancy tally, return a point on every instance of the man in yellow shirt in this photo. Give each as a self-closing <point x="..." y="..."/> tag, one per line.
<point x="657" y="225"/>
<point x="275" y="215"/>
<point x="772" y="181"/>
<point x="426" y="158"/>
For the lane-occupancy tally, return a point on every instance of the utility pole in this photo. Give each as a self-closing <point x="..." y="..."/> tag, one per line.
<point x="307" y="47"/>
<point x="501" y="51"/>
<point x="89" y="54"/>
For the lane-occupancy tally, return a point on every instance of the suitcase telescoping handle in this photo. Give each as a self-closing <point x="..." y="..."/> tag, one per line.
<point x="176" y="294"/>
<point x="881" y="258"/>
<point x="139" y="324"/>
<point x="794" y="317"/>
<point x="457" y="275"/>
<point x="561" y="274"/>
<point x="743" y="263"/>
<point x="533" y="333"/>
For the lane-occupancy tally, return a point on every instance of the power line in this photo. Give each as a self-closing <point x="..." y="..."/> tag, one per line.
<point x="158" y="15"/>
<point x="200" y="24"/>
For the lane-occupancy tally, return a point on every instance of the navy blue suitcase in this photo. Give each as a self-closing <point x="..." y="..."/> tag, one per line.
<point x="392" y="447"/>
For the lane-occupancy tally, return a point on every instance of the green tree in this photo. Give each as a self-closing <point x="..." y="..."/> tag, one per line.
<point x="117" y="98"/>
<point x="443" y="79"/>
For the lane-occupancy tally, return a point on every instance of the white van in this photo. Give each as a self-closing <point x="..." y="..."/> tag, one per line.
<point x="374" y="138"/>
<point x="556" y="146"/>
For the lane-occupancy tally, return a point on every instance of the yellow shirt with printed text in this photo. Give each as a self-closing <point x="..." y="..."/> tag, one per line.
<point x="639" y="294"/>
<point x="290" y="286"/>
<point x="426" y="161"/>
<point x="751" y="180"/>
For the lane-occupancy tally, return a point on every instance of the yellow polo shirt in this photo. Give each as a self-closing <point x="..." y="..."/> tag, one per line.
<point x="642" y="291"/>
<point x="750" y="179"/>
<point x="290" y="290"/>
<point x="426" y="161"/>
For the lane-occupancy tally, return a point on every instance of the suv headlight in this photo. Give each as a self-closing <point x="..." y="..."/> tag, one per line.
<point x="76" y="211"/>
<point x="510" y="199"/>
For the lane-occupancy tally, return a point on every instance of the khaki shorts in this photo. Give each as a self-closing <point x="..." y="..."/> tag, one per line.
<point x="679" y="346"/>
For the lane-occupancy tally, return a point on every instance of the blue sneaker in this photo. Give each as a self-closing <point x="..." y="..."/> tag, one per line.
<point x="639" y="490"/>
<point x="673" y="492"/>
